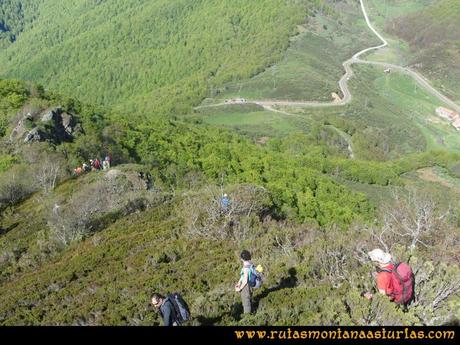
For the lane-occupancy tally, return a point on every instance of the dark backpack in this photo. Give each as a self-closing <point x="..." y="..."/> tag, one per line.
<point x="402" y="281"/>
<point x="181" y="309"/>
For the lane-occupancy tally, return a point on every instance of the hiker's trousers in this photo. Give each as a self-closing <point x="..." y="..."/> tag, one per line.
<point x="246" y="298"/>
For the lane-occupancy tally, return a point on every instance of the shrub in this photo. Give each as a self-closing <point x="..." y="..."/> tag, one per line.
<point x="48" y="173"/>
<point x="6" y="162"/>
<point x="15" y="186"/>
<point x="110" y="197"/>
<point x="204" y="216"/>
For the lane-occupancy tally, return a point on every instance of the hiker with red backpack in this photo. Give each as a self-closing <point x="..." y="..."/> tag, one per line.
<point x="173" y="308"/>
<point x="97" y="164"/>
<point x="395" y="280"/>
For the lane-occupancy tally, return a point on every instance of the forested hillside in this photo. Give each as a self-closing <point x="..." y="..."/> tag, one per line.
<point x="15" y="16"/>
<point x="145" y="56"/>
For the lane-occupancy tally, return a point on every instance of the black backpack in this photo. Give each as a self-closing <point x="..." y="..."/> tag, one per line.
<point x="182" y="311"/>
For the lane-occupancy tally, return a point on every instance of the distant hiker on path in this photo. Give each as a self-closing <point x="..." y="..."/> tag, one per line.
<point x="224" y="202"/>
<point x="78" y="171"/>
<point x="394" y="280"/>
<point x="107" y="162"/>
<point x="86" y="167"/>
<point x="173" y="309"/>
<point x="97" y="164"/>
<point x="243" y="284"/>
<point x="105" y="165"/>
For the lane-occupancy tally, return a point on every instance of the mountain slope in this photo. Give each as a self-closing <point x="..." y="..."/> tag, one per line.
<point x="434" y="37"/>
<point x="90" y="250"/>
<point x="15" y="17"/>
<point x="156" y="56"/>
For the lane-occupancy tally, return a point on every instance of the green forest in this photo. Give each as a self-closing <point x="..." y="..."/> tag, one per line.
<point x="312" y="191"/>
<point x="145" y="56"/>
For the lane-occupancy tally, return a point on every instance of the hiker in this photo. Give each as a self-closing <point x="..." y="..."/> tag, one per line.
<point x="148" y="182"/>
<point x="395" y="280"/>
<point x="243" y="284"/>
<point x="173" y="309"/>
<point x="78" y="171"/>
<point x="108" y="159"/>
<point x="224" y="202"/>
<point x="97" y="164"/>
<point x="86" y="167"/>
<point x="106" y="162"/>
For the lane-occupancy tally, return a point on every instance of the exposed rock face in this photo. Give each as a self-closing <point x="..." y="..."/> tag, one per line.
<point x="49" y="115"/>
<point x="34" y="135"/>
<point x="53" y="124"/>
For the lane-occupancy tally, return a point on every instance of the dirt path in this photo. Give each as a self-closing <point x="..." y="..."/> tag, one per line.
<point x="343" y="82"/>
<point x="428" y="174"/>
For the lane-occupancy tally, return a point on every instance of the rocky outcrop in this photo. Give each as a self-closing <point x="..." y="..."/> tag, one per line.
<point x="55" y="125"/>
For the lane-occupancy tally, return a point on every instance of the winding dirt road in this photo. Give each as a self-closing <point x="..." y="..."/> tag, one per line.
<point x="343" y="82"/>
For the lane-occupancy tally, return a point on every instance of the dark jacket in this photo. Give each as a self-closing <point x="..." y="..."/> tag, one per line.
<point x="168" y="313"/>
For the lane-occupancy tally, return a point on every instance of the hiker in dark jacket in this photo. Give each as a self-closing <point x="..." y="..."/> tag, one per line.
<point x="166" y="309"/>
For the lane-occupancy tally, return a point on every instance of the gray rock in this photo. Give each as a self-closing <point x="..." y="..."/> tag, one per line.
<point x="48" y="116"/>
<point x="60" y="126"/>
<point x="33" y="135"/>
<point x="67" y="122"/>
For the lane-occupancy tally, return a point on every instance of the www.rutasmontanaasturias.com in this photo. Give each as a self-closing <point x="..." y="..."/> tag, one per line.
<point x="288" y="334"/>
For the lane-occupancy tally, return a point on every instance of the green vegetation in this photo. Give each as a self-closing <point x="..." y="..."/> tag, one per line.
<point x="6" y="162"/>
<point x="296" y="175"/>
<point x="393" y="118"/>
<point x="15" y="16"/>
<point x="251" y="120"/>
<point x="311" y="190"/>
<point x="312" y="65"/>
<point x="419" y="106"/>
<point x="151" y="56"/>
<point x="107" y="278"/>
<point x="430" y="29"/>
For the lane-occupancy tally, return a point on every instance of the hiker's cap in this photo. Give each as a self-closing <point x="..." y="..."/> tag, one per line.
<point x="380" y="256"/>
<point x="225" y="195"/>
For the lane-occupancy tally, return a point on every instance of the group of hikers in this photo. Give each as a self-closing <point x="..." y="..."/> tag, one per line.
<point x="94" y="165"/>
<point x="395" y="280"/>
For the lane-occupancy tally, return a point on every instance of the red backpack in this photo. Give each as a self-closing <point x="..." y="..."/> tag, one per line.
<point x="402" y="281"/>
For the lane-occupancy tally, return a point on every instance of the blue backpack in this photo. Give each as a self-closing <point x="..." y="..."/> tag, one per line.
<point x="255" y="278"/>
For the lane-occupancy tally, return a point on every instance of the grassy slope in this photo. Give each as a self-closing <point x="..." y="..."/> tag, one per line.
<point x="154" y="56"/>
<point x="253" y="120"/>
<point x="312" y="65"/>
<point x="433" y="34"/>
<point x="393" y="118"/>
